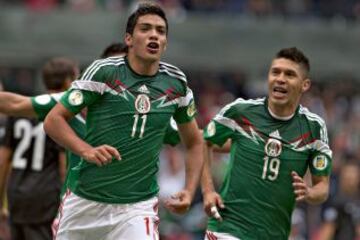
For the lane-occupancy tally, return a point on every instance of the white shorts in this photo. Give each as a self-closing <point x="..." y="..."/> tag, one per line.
<point x="219" y="236"/>
<point x="82" y="219"/>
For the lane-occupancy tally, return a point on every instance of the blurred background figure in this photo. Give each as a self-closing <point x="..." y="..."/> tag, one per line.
<point x="33" y="165"/>
<point x="4" y="226"/>
<point x="341" y="216"/>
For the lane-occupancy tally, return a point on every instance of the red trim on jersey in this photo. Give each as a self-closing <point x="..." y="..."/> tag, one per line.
<point x="211" y="235"/>
<point x="56" y="223"/>
<point x="156" y="207"/>
<point x="114" y="86"/>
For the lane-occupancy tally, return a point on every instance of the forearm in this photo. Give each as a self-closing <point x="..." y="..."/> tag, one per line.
<point x="318" y="193"/>
<point x="207" y="184"/>
<point x="57" y="127"/>
<point x="16" y="105"/>
<point x="194" y="164"/>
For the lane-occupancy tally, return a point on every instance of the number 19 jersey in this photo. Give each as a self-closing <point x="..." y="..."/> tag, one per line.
<point x="257" y="190"/>
<point x="130" y="112"/>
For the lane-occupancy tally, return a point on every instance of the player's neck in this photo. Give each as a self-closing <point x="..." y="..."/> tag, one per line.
<point x="141" y="67"/>
<point x="281" y="112"/>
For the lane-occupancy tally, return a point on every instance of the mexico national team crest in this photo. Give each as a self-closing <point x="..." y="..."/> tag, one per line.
<point x="320" y="162"/>
<point x="142" y="104"/>
<point x="273" y="147"/>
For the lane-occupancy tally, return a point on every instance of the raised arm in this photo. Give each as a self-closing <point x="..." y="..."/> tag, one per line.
<point x="192" y="139"/>
<point x="16" y="105"/>
<point x="57" y="127"/>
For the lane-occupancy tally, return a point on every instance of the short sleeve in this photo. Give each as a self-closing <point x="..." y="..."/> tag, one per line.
<point x="320" y="162"/>
<point x="172" y="136"/>
<point x="42" y="105"/>
<point x="221" y="127"/>
<point x="74" y="100"/>
<point x="186" y="110"/>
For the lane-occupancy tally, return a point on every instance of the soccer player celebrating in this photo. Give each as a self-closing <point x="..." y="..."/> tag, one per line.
<point x="130" y="101"/>
<point x="274" y="140"/>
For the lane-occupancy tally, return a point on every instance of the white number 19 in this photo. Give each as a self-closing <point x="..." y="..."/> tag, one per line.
<point x="271" y="168"/>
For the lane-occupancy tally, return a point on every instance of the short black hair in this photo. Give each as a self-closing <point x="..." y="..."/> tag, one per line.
<point x="57" y="70"/>
<point x="114" y="49"/>
<point x="145" y="9"/>
<point x="295" y="55"/>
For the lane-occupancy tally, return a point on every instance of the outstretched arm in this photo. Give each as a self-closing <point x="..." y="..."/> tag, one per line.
<point x="193" y="142"/>
<point x="57" y="127"/>
<point x="16" y="105"/>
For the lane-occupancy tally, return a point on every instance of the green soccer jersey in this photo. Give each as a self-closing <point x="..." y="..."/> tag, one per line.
<point x="130" y="112"/>
<point x="42" y="105"/>
<point x="257" y="190"/>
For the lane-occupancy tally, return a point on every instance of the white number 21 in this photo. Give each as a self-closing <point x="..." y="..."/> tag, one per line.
<point x="24" y="131"/>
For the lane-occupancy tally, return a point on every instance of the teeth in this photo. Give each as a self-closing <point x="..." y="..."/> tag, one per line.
<point x="153" y="45"/>
<point x="277" y="89"/>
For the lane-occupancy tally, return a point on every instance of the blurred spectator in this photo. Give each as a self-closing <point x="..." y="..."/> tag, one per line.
<point x="341" y="219"/>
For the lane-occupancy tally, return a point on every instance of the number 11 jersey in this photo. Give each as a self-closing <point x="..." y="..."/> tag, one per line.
<point x="130" y="112"/>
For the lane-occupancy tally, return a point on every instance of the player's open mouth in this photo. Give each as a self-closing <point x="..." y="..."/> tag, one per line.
<point x="279" y="91"/>
<point x="153" y="47"/>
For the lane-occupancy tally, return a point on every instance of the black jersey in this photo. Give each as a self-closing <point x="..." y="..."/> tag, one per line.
<point x="34" y="184"/>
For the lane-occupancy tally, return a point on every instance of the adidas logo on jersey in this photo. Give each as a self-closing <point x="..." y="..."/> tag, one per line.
<point x="275" y="134"/>
<point x="143" y="89"/>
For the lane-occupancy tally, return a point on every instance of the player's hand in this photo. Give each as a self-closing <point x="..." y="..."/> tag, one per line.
<point x="101" y="155"/>
<point x="212" y="202"/>
<point x="301" y="190"/>
<point x="180" y="202"/>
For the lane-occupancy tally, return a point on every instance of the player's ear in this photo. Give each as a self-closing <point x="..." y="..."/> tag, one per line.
<point x="128" y="40"/>
<point x="306" y="85"/>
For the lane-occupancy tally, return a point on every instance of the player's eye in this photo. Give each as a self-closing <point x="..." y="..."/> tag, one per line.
<point x="161" y="30"/>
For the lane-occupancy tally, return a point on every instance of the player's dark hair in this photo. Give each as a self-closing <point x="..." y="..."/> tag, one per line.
<point x="57" y="70"/>
<point x="145" y="8"/>
<point x="114" y="49"/>
<point x="295" y="55"/>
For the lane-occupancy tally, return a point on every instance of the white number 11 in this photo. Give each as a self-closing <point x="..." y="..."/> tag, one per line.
<point x="142" y="128"/>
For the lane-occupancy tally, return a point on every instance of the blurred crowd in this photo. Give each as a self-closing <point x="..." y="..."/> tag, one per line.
<point x="336" y="99"/>
<point x="329" y="9"/>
